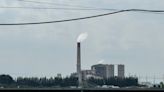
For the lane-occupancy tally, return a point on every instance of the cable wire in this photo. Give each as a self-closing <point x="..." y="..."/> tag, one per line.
<point x="82" y="18"/>
<point x="57" y="8"/>
<point x="79" y="6"/>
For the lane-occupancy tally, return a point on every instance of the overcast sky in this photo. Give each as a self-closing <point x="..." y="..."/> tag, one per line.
<point x="131" y="38"/>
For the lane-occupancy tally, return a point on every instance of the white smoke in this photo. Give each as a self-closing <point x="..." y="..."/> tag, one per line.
<point x="82" y="37"/>
<point x="101" y="62"/>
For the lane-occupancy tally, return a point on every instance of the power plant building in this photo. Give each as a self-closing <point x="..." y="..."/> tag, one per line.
<point x="110" y="71"/>
<point x="103" y="70"/>
<point x="87" y="74"/>
<point x="121" y="71"/>
<point x="100" y="70"/>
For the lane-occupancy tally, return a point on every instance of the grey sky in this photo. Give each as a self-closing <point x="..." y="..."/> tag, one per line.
<point x="133" y="39"/>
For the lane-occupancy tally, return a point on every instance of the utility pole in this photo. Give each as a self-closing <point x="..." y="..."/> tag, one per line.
<point x="154" y="80"/>
<point x="139" y="79"/>
<point x="163" y="77"/>
<point x="146" y="79"/>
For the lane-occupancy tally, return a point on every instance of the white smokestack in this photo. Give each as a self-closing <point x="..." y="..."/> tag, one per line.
<point x="82" y="37"/>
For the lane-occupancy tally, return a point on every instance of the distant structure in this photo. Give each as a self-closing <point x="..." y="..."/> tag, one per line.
<point x="80" y="38"/>
<point x="103" y="70"/>
<point x="100" y="70"/>
<point x="59" y="75"/>
<point x="121" y="71"/>
<point x="110" y="71"/>
<point x="87" y="74"/>
<point x="79" y="64"/>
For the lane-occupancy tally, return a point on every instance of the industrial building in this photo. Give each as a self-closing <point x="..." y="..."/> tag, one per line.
<point x="100" y="71"/>
<point x="110" y="71"/>
<point x="103" y="70"/>
<point x="87" y="74"/>
<point x="121" y="71"/>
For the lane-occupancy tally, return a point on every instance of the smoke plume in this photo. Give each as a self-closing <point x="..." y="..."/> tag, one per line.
<point x="101" y="62"/>
<point x="82" y="37"/>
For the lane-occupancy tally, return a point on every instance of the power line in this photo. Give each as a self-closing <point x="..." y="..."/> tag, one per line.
<point x="98" y="9"/>
<point x="55" y="8"/>
<point x="59" y="4"/>
<point x="82" y="18"/>
<point x="80" y="6"/>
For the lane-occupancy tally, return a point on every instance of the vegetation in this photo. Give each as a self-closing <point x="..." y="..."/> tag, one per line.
<point x="121" y="82"/>
<point x="162" y="84"/>
<point x="6" y="81"/>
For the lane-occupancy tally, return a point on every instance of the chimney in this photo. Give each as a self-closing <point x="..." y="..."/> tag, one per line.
<point x="79" y="65"/>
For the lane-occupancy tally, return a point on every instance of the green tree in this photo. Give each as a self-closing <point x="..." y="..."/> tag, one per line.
<point x="162" y="85"/>
<point x="6" y="79"/>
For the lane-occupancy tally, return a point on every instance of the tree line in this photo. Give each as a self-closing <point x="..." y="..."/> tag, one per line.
<point x="6" y="81"/>
<point x="115" y="81"/>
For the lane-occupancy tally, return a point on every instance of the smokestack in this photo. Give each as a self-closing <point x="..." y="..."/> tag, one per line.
<point x="80" y="38"/>
<point x="79" y="64"/>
